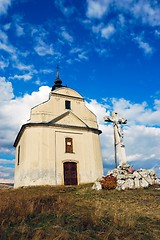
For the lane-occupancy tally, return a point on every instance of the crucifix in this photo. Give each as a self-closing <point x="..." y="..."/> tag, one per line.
<point x="118" y="137"/>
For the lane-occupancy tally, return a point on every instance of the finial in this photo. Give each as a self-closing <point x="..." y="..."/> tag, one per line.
<point x="57" y="81"/>
<point x="57" y="71"/>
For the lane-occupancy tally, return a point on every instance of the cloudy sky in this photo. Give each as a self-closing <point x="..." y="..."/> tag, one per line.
<point x="108" y="51"/>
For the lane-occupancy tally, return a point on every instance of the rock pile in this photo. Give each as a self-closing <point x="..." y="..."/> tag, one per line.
<point x="128" y="178"/>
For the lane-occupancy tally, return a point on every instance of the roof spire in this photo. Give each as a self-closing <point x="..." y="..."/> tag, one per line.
<point x="57" y="81"/>
<point x="57" y="71"/>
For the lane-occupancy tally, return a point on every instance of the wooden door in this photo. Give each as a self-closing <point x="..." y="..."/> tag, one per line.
<point x="70" y="173"/>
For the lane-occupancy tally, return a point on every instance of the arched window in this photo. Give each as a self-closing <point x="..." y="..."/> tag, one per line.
<point x="69" y="145"/>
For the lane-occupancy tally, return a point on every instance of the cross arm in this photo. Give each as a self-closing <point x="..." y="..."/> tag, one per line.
<point x="108" y="119"/>
<point x="122" y="120"/>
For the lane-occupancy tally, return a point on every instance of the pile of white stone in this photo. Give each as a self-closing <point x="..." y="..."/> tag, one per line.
<point x="128" y="178"/>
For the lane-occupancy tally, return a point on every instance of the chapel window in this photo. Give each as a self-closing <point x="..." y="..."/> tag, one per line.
<point x="19" y="149"/>
<point x="67" y="104"/>
<point x="69" y="145"/>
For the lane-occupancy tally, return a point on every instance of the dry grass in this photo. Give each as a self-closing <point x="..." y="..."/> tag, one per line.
<point x="63" y="213"/>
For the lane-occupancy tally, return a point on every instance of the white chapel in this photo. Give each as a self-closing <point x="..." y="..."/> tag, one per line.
<point x="60" y="144"/>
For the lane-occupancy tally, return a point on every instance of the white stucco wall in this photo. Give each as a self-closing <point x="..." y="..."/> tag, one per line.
<point x="43" y="153"/>
<point x="55" y="106"/>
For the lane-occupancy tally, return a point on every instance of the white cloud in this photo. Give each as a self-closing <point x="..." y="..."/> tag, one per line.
<point x="38" y="82"/>
<point x="147" y="49"/>
<point x="6" y="170"/>
<point x="97" y="9"/>
<point x="148" y="12"/>
<point x="3" y="63"/>
<point x="4" y="5"/>
<point x="66" y="35"/>
<point x="7" y="26"/>
<point x="141" y="134"/>
<point x="137" y="113"/>
<point x="26" y="71"/>
<point x="157" y="33"/>
<point x="6" y="174"/>
<point x="19" y="30"/>
<point x="142" y="144"/>
<point x="124" y="15"/>
<point x="82" y="56"/>
<point x="3" y="36"/>
<point x="157" y="104"/>
<point x="4" y="44"/>
<point x="107" y="31"/>
<point x="22" y="66"/>
<point x="98" y="109"/>
<point x="46" y="71"/>
<point x="7" y="48"/>
<point x="97" y="28"/>
<point x="24" y="77"/>
<point x="76" y="50"/>
<point x="104" y="31"/>
<point x="122" y="20"/>
<point x="6" y="90"/>
<point x="40" y="37"/>
<point x="69" y="61"/>
<point x="15" y="112"/>
<point x="4" y="161"/>
<point x="124" y="4"/>
<point x="19" y="25"/>
<point x="67" y="11"/>
<point x="43" y="48"/>
<point x="79" y="54"/>
<point x="102" y="52"/>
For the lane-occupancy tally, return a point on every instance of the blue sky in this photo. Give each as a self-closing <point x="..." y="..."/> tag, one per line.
<point x="108" y="50"/>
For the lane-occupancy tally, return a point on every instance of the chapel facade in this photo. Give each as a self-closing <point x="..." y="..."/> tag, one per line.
<point x="60" y="144"/>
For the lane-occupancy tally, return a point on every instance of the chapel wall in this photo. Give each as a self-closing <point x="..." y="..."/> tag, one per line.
<point x="55" y="107"/>
<point x="43" y="155"/>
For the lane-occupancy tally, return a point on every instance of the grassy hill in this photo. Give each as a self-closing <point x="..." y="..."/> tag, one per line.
<point x="79" y="213"/>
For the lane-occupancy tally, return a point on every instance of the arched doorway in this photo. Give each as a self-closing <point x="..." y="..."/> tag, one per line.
<point x="70" y="173"/>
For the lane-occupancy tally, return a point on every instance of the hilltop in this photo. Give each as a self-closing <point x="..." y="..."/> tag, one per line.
<point x="79" y="213"/>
